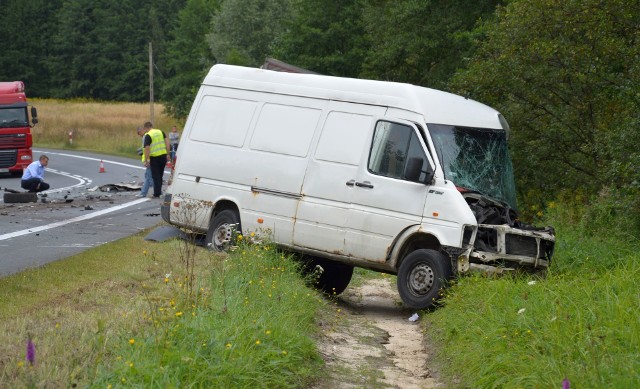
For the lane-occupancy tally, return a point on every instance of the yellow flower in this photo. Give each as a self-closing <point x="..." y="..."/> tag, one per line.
<point x="252" y="234"/>
<point x="20" y="364"/>
<point x="284" y="352"/>
<point x="132" y="341"/>
<point x="166" y="280"/>
<point x="130" y="364"/>
<point x="257" y="342"/>
<point x="178" y="314"/>
<point x="109" y="386"/>
<point x="228" y="345"/>
<point x="268" y="332"/>
<point x="239" y="237"/>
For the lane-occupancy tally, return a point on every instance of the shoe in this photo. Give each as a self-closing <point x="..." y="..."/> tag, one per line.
<point x="141" y="195"/>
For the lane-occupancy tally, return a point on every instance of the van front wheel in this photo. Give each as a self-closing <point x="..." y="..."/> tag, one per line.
<point x="422" y="276"/>
<point x="222" y="230"/>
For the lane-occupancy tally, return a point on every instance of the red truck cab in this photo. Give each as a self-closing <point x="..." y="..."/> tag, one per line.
<point x="15" y="128"/>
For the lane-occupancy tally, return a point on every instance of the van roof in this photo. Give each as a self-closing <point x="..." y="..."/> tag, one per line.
<point x="436" y="106"/>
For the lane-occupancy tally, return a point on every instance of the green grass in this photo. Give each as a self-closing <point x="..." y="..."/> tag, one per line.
<point x="582" y="322"/>
<point x="128" y="314"/>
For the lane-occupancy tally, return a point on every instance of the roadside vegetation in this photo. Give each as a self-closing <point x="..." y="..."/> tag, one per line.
<point x="580" y="323"/>
<point x="141" y="314"/>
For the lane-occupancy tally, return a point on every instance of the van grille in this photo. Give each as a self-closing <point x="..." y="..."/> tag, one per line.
<point x="521" y="245"/>
<point x="8" y="158"/>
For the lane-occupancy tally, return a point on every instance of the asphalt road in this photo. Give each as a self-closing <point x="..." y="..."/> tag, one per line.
<point x="82" y="209"/>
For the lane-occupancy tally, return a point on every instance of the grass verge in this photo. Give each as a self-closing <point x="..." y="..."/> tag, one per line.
<point x="581" y="323"/>
<point x="131" y="314"/>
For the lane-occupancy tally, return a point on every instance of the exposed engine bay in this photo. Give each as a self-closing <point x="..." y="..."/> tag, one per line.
<point x="503" y="242"/>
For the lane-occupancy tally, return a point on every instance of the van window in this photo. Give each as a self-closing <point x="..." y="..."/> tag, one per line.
<point x="393" y="145"/>
<point x="223" y="121"/>
<point x="343" y="136"/>
<point x="284" y="129"/>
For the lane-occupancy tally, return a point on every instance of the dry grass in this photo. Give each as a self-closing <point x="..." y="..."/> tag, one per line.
<point x="97" y="126"/>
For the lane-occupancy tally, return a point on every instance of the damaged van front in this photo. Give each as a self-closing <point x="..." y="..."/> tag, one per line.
<point x="477" y="161"/>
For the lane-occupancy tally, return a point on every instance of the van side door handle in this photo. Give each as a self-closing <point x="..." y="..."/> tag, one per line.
<point x="351" y="182"/>
<point x="365" y="184"/>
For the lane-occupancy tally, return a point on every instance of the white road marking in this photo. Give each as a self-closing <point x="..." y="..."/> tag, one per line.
<point x="69" y="221"/>
<point x="83" y="181"/>
<point x="93" y="159"/>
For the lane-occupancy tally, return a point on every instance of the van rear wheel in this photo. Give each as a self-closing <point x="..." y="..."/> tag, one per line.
<point x="327" y="276"/>
<point x="422" y="276"/>
<point x="223" y="229"/>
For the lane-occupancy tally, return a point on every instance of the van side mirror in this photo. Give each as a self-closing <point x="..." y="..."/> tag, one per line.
<point x="413" y="169"/>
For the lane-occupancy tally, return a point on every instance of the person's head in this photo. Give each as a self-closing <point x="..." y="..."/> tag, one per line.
<point x="44" y="160"/>
<point x="174" y="129"/>
<point x="147" y="126"/>
<point x="140" y="131"/>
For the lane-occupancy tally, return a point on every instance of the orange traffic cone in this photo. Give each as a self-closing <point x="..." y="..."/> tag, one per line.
<point x="101" y="167"/>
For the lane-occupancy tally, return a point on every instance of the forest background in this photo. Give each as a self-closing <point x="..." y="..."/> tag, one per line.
<point x="565" y="74"/>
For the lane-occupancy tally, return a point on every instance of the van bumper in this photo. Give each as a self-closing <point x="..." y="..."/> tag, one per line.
<point x="165" y="208"/>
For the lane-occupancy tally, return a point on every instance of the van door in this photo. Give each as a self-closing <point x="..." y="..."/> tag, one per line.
<point x="328" y="187"/>
<point x="385" y="201"/>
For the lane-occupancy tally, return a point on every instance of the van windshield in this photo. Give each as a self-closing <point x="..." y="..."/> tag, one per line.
<point x="476" y="159"/>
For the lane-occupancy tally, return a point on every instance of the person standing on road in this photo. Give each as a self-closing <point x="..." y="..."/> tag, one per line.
<point x="33" y="176"/>
<point x="148" y="181"/>
<point x="174" y="138"/>
<point x="156" y="147"/>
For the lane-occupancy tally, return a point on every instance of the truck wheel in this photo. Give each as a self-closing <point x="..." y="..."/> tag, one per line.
<point x="222" y="230"/>
<point x="423" y="274"/>
<point x="334" y="277"/>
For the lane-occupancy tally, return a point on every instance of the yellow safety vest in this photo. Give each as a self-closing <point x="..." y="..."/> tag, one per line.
<point x="158" y="146"/>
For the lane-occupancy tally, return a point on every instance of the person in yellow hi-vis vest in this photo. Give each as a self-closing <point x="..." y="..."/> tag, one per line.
<point x="156" y="147"/>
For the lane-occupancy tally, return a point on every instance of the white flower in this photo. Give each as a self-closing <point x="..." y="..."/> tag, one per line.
<point x="521" y="311"/>
<point x="531" y="283"/>
<point x="167" y="275"/>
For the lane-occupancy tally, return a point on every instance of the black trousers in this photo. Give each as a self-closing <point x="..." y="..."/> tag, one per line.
<point x="34" y="185"/>
<point x="157" y="165"/>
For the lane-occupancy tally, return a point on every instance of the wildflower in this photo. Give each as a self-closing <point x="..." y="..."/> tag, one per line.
<point x="252" y="234"/>
<point x="31" y="352"/>
<point x="284" y="352"/>
<point x="228" y="345"/>
<point x="268" y="332"/>
<point x="521" y="311"/>
<point x="130" y="364"/>
<point x="257" y="342"/>
<point x="109" y="386"/>
<point x="239" y="237"/>
<point x="565" y="383"/>
<point x="178" y="314"/>
<point x="132" y="341"/>
<point x="20" y="364"/>
<point x="531" y="282"/>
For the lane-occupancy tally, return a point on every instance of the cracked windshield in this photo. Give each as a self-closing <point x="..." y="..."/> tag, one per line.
<point x="476" y="159"/>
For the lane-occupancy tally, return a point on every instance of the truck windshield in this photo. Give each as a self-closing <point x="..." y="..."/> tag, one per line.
<point x="476" y="159"/>
<point x="13" y="117"/>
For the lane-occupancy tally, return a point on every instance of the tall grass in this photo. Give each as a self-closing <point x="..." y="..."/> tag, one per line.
<point x="582" y="322"/>
<point x="121" y="315"/>
<point x="97" y="126"/>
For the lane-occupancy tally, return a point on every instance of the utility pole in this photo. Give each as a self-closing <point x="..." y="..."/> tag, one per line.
<point x="151" y="80"/>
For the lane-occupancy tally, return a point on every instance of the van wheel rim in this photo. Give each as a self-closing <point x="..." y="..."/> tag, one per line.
<point x="222" y="235"/>
<point x="421" y="279"/>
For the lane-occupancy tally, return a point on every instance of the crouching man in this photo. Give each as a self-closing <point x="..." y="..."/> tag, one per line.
<point x="33" y="177"/>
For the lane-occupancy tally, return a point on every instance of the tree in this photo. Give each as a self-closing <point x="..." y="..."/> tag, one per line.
<point x="421" y="42"/>
<point x="188" y="56"/>
<point x="326" y="36"/>
<point x="565" y="74"/>
<point x="244" y="31"/>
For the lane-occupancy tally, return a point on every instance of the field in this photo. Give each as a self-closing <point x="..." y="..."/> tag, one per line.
<point x="106" y="127"/>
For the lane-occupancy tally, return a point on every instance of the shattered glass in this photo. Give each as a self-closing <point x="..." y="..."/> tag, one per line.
<point x="476" y="159"/>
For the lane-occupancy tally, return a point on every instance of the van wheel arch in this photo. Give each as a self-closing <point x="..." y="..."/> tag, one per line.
<point x="224" y="226"/>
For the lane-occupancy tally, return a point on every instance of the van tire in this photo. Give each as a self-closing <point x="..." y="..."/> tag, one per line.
<point x="422" y="277"/>
<point x="223" y="230"/>
<point x="333" y="279"/>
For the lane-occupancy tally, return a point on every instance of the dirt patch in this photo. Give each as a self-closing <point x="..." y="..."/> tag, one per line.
<point x="372" y="343"/>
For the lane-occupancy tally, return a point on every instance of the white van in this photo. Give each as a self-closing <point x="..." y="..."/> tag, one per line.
<point x="386" y="176"/>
